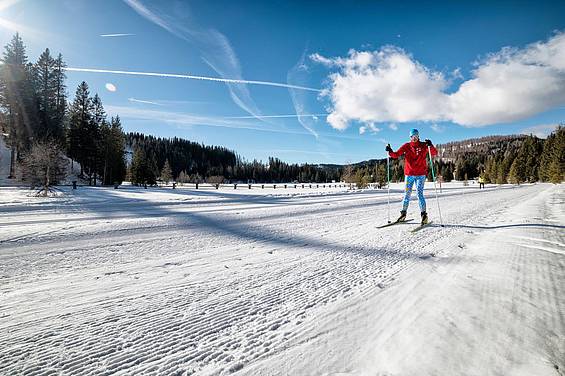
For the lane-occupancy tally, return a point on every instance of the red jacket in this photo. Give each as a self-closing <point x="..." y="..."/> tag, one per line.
<point x="415" y="154"/>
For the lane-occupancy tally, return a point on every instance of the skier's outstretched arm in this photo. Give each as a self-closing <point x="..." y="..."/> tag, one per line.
<point x="395" y="154"/>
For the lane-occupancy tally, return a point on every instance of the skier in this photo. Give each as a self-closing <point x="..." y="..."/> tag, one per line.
<point x="415" y="169"/>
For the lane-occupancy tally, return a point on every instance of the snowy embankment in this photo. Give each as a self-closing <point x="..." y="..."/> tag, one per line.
<point x="159" y="281"/>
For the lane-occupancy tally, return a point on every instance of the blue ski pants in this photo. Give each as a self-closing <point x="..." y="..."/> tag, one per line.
<point x="410" y="180"/>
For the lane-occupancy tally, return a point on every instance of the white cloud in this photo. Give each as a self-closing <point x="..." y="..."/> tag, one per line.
<point x="380" y="86"/>
<point x="437" y="128"/>
<point x="110" y="87"/>
<point x="374" y="128"/>
<point x="371" y="127"/>
<point x="390" y="85"/>
<point x="316" y="57"/>
<point x="393" y="126"/>
<point x="512" y="85"/>
<point x="541" y="130"/>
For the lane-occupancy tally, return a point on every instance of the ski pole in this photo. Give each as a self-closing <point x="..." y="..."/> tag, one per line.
<point x="435" y="187"/>
<point x="388" y="187"/>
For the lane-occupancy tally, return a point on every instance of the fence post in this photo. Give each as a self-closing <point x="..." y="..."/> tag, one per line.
<point x="235" y="186"/>
<point x="249" y="186"/>
<point x="196" y="185"/>
<point x="262" y="186"/>
<point x="274" y="186"/>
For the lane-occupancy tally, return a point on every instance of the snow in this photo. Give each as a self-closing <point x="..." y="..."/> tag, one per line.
<point x="278" y="282"/>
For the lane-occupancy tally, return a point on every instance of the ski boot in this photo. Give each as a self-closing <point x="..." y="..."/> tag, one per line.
<point x="424" y="218"/>
<point x="402" y="217"/>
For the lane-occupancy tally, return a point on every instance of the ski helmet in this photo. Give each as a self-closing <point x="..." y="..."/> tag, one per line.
<point x="414" y="132"/>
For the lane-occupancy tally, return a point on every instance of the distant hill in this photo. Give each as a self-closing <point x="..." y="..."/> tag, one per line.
<point x="481" y="147"/>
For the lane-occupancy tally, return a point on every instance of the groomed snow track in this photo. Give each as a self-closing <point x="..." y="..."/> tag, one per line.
<point x="134" y="281"/>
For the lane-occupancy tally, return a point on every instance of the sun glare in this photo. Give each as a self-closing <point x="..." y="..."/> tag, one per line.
<point x="7" y="3"/>
<point x="10" y="25"/>
<point x="5" y="24"/>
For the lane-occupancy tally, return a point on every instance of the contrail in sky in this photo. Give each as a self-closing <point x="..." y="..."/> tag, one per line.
<point x="275" y="116"/>
<point x="191" y="77"/>
<point x="142" y="101"/>
<point x="117" y="35"/>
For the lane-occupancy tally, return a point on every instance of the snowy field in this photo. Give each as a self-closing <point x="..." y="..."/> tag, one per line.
<point x="287" y="282"/>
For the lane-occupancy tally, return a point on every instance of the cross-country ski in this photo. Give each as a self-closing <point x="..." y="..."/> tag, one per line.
<point x="421" y="226"/>
<point x="396" y="223"/>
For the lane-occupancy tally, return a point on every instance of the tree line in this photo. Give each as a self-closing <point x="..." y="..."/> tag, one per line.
<point x="36" y="116"/>
<point x="167" y="159"/>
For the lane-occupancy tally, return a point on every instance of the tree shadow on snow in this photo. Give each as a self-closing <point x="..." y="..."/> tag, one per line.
<point x="214" y="219"/>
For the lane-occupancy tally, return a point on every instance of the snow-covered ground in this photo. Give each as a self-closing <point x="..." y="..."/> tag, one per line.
<point x="285" y="282"/>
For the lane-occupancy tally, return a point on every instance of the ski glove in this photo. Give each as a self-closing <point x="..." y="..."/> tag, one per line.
<point x="388" y="148"/>
<point x="428" y="142"/>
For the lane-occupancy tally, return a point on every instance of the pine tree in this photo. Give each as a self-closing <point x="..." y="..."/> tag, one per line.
<point x="94" y="145"/>
<point x="60" y="93"/>
<point x="552" y="164"/>
<point x="183" y="177"/>
<point x="381" y="174"/>
<point x="166" y="173"/>
<point x="144" y="169"/>
<point x="115" y="158"/>
<point x="17" y="98"/>
<point x="492" y="169"/>
<point x="556" y="169"/>
<point x="517" y="173"/>
<point x="139" y="167"/>
<point x="348" y="175"/>
<point x="500" y="173"/>
<point x="79" y="123"/>
<point x="152" y="169"/>
<point x="503" y="168"/>
<point x="546" y="158"/>
<point x="47" y="78"/>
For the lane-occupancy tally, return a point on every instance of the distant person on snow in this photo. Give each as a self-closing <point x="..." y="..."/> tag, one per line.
<point x="415" y="169"/>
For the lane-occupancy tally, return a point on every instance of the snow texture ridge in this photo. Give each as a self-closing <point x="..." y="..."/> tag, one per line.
<point x="161" y="282"/>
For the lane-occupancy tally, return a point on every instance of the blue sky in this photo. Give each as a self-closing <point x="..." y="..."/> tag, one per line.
<point x="338" y="79"/>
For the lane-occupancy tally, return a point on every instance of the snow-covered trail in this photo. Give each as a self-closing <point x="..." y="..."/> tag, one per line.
<point x="493" y="305"/>
<point x="165" y="282"/>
